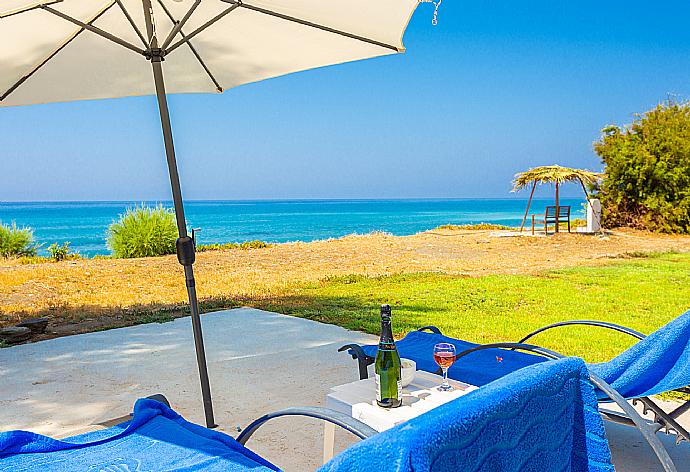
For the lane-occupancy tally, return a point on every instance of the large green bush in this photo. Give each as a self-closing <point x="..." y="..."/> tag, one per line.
<point x="647" y="182"/>
<point x="143" y="232"/>
<point x="16" y="242"/>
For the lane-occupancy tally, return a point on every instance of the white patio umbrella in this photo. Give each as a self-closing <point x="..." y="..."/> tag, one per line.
<point x="67" y="50"/>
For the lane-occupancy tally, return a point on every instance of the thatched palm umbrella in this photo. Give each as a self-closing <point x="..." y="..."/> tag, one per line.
<point x="552" y="174"/>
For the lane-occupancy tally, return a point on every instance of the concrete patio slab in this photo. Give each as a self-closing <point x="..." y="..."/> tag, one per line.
<point x="258" y="362"/>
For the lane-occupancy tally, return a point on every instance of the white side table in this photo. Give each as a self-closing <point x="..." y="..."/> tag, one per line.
<point x="358" y="399"/>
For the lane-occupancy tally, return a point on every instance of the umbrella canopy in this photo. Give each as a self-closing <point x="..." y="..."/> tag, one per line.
<point x="47" y="56"/>
<point x="552" y="174"/>
<point x="67" y="50"/>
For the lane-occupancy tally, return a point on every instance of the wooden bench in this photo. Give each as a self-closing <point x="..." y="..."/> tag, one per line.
<point x="550" y="217"/>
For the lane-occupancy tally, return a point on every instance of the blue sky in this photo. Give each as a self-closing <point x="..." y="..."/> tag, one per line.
<point x="495" y="88"/>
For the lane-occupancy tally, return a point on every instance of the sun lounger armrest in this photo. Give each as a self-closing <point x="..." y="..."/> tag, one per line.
<point x="513" y="346"/>
<point x="598" y="324"/>
<point x="432" y="329"/>
<point x="346" y="422"/>
<point x="159" y="397"/>
<point x="357" y="351"/>
<point x="363" y="361"/>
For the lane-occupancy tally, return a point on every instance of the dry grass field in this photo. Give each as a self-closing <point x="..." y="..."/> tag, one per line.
<point x="88" y="294"/>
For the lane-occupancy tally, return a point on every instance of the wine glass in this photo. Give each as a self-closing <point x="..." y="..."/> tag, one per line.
<point x="444" y="355"/>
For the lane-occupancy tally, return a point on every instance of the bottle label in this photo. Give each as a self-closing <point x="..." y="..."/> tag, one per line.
<point x="378" y="388"/>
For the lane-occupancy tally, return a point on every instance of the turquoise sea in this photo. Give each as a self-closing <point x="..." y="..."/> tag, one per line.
<point x="84" y="224"/>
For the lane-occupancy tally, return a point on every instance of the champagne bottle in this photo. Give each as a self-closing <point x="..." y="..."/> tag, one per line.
<point x="387" y="366"/>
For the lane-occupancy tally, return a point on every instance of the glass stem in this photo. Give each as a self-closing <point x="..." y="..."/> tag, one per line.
<point x="445" y="377"/>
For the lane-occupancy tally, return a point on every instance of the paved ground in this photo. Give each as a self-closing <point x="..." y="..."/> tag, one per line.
<point x="258" y="362"/>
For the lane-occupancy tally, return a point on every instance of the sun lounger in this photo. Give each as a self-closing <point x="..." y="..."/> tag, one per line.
<point x="153" y="438"/>
<point x="656" y="364"/>
<point x="541" y="418"/>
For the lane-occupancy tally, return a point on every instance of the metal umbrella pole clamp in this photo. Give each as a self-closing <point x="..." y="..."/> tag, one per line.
<point x="185" y="244"/>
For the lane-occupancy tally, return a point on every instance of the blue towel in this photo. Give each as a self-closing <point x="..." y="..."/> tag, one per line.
<point x="478" y="368"/>
<point x="540" y="418"/>
<point x="659" y="363"/>
<point x="156" y="439"/>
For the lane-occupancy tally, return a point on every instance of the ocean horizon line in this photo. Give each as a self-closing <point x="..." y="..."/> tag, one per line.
<point x="298" y="200"/>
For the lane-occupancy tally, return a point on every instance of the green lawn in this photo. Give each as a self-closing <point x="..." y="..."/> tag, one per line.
<point x="642" y="293"/>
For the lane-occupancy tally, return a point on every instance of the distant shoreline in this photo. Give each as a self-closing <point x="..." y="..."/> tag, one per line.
<point x="85" y="224"/>
<point x="293" y="200"/>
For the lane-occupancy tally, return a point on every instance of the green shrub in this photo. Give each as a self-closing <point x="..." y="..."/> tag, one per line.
<point x="16" y="242"/>
<point x="60" y="252"/>
<point x="647" y="182"/>
<point x="143" y="232"/>
<point x="245" y="245"/>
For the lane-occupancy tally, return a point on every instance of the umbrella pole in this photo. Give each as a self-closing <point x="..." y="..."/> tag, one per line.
<point x="185" y="245"/>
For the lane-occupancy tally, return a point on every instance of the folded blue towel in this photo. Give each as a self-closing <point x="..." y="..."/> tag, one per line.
<point x="657" y="364"/>
<point x="539" y="418"/>
<point x="156" y="439"/>
<point x="478" y="368"/>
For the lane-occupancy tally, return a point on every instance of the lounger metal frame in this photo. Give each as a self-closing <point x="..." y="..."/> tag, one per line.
<point x="346" y="422"/>
<point x="663" y="421"/>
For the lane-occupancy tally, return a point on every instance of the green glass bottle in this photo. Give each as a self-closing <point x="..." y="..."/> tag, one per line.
<point x="387" y="365"/>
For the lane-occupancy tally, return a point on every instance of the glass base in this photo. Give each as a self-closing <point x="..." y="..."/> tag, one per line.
<point x="445" y="388"/>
